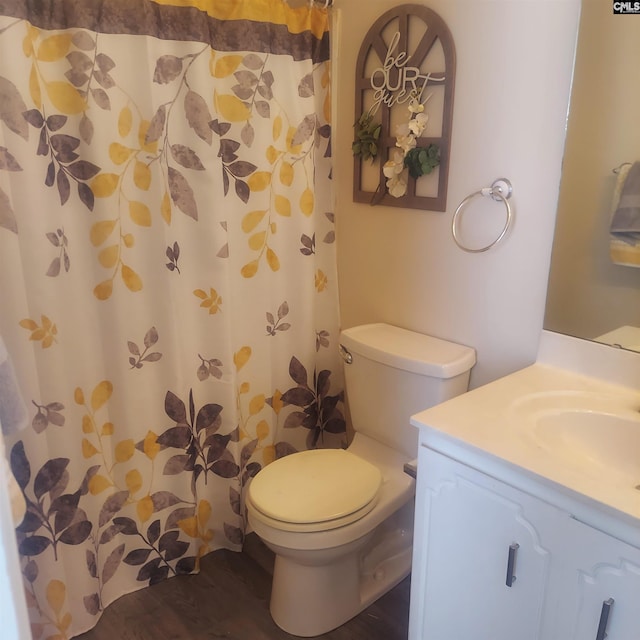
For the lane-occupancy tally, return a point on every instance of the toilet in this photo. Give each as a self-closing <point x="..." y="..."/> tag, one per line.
<point x="340" y="522"/>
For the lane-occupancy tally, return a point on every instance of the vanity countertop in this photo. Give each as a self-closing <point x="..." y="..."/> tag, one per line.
<point x="571" y="439"/>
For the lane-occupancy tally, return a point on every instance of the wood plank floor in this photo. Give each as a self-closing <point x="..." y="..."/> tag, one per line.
<point x="229" y="599"/>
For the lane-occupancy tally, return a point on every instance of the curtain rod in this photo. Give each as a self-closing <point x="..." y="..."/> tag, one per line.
<point x="298" y="3"/>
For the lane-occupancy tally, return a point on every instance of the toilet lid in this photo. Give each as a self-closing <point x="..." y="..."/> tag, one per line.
<point x="315" y="486"/>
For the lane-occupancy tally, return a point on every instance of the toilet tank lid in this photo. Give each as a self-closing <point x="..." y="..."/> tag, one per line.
<point x="408" y="350"/>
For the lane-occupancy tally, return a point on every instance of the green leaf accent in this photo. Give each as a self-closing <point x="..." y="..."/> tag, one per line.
<point x="422" y="161"/>
<point x="367" y="134"/>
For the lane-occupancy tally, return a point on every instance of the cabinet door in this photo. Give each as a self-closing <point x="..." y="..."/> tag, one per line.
<point x="605" y="602"/>
<point x="469" y="525"/>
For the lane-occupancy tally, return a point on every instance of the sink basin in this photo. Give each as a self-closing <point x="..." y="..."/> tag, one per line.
<point x="590" y="433"/>
<point x="590" y="439"/>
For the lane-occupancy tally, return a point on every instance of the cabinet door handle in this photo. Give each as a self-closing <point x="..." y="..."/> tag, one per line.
<point x="511" y="563"/>
<point x="604" y="619"/>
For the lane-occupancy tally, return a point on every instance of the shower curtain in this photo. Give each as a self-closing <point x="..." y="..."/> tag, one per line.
<point x="167" y="279"/>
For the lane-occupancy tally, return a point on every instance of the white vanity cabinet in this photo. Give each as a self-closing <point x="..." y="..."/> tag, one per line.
<point x="605" y="586"/>
<point x="492" y="562"/>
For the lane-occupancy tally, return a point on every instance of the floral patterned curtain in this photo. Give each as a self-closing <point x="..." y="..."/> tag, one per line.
<point x="167" y="279"/>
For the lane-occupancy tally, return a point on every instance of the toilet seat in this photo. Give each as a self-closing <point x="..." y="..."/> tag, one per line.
<point x="315" y="490"/>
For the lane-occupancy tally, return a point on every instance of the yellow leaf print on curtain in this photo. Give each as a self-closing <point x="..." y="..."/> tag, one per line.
<point x="45" y="333"/>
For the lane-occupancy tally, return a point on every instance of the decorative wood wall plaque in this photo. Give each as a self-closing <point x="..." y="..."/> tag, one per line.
<point x="405" y="76"/>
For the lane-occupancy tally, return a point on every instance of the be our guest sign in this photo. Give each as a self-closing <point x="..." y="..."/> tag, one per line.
<point x="395" y="82"/>
<point x="405" y="76"/>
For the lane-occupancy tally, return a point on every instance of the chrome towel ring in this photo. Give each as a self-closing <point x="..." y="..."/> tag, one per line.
<point x="500" y="191"/>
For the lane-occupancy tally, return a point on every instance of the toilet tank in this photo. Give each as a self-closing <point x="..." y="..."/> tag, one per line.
<point x="392" y="373"/>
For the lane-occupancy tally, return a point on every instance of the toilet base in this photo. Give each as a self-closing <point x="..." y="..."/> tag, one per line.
<point x="307" y="600"/>
<point x="310" y="597"/>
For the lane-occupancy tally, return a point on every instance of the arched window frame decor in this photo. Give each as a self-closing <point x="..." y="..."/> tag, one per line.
<point x="395" y="56"/>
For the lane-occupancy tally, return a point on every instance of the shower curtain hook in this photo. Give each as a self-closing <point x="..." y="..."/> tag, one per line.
<point x="620" y="167"/>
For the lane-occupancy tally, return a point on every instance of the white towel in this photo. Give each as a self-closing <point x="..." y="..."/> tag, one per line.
<point x="624" y="242"/>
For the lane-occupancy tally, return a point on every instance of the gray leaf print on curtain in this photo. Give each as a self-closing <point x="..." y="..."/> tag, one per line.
<point x="173" y="253"/>
<point x="320" y="411"/>
<point x="12" y="107"/>
<point x="209" y="367"/>
<point x="138" y="358"/>
<point x="52" y="514"/>
<point x="47" y="414"/>
<point x="275" y="324"/>
<point x="64" y="165"/>
<point x="7" y="163"/>
<point x="59" y="239"/>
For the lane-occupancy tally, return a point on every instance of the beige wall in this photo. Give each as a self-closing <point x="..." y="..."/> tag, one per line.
<point x="588" y="294"/>
<point x="514" y="64"/>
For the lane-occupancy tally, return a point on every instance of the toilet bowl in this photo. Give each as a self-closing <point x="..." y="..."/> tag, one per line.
<point x="328" y="569"/>
<point x="340" y="522"/>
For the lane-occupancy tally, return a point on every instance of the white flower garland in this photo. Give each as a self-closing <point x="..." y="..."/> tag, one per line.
<point x="394" y="169"/>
